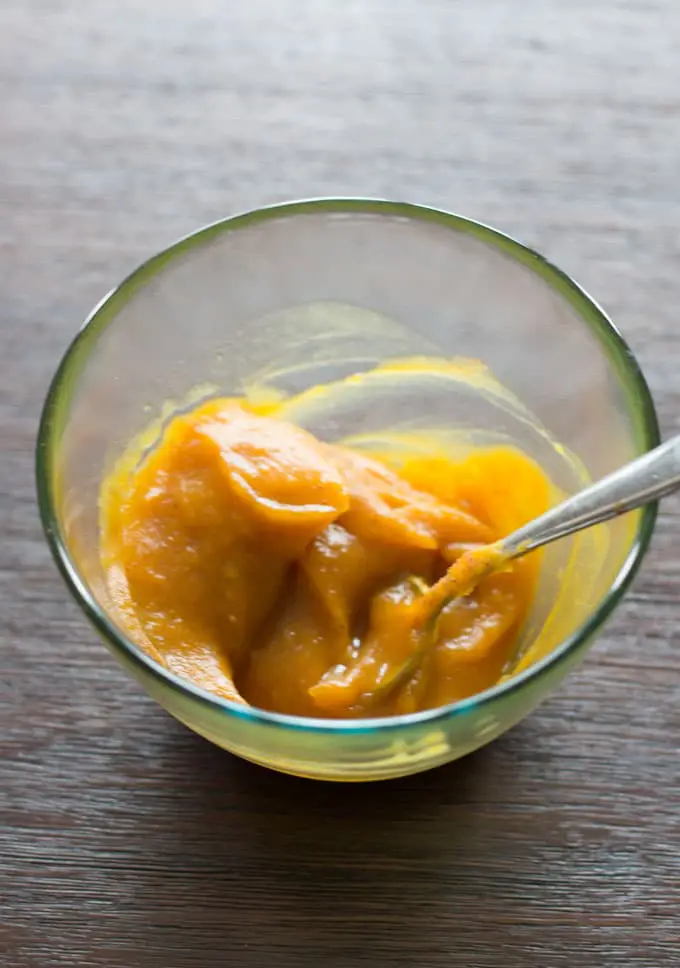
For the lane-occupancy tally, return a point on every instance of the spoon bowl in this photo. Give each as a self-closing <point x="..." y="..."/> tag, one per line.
<point x="648" y="478"/>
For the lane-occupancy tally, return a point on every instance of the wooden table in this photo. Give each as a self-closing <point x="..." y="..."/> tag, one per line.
<point x="127" y="841"/>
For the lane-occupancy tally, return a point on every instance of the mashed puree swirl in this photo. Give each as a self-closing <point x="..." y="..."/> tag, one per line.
<point x="274" y="569"/>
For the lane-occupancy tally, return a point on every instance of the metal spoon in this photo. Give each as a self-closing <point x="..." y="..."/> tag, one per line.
<point x="645" y="479"/>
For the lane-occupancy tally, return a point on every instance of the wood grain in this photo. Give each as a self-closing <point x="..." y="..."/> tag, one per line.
<point x="125" y="840"/>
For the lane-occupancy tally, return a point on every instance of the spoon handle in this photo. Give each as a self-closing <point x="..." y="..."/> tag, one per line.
<point x="651" y="476"/>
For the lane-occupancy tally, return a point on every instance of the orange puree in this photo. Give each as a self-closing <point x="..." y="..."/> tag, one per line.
<point x="276" y="570"/>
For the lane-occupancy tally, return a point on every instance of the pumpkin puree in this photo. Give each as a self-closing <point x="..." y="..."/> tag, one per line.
<point x="273" y="569"/>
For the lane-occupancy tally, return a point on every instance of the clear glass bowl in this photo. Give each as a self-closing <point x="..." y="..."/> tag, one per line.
<point x="310" y="292"/>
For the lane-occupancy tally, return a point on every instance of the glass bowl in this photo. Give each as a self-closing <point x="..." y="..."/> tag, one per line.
<point x="311" y="292"/>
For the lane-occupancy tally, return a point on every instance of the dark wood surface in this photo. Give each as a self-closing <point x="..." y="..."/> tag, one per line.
<point x="124" y="839"/>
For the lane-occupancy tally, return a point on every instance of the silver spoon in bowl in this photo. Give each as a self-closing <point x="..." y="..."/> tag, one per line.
<point x="648" y="478"/>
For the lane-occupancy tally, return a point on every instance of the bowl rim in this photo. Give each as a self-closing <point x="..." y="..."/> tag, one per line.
<point x="617" y="351"/>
